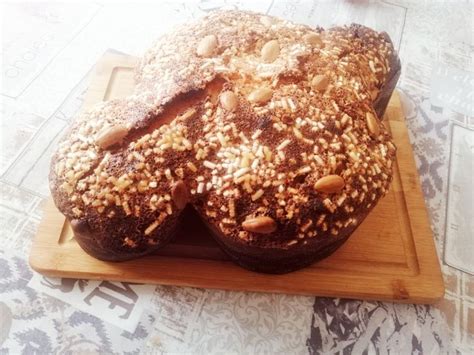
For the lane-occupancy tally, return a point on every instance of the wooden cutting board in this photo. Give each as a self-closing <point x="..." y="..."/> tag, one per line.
<point x="391" y="256"/>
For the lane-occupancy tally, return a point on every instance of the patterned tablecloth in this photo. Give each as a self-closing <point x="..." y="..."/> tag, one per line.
<point x="48" y="51"/>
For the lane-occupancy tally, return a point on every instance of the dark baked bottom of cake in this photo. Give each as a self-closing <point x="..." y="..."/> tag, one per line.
<point x="284" y="265"/>
<point x="92" y="243"/>
<point x="278" y="261"/>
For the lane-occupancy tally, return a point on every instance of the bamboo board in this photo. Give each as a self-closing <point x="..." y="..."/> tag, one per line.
<point x="391" y="256"/>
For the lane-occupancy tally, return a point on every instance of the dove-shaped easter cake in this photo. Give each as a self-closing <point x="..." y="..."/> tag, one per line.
<point x="271" y="131"/>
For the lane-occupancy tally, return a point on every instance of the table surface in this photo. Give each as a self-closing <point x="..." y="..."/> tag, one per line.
<point x="48" y="51"/>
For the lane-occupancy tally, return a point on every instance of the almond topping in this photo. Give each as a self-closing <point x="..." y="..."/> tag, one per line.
<point x="372" y="124"/>
<point x="329" y="184"/>
<point x="313" y="39"/>
<point x="261" y="224"/>
<point x="207" y="46"/>
<point x="179" y="194"/>
<point x="270" y="51"/>
<point x="228" y="100"/>
<point x="261" y="95"/>
<point x="111" y="135"/>
<point x="320" y="82"/>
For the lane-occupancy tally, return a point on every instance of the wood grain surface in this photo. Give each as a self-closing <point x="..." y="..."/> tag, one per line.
<point x="391" y="256"/>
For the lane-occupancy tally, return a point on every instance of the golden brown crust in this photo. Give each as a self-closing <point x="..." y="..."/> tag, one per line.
<point x="254" y="117"/>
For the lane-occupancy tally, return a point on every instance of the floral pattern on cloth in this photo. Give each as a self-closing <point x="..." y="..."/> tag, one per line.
<point x="32" y="322"/>
<point x="355" y="327"/>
